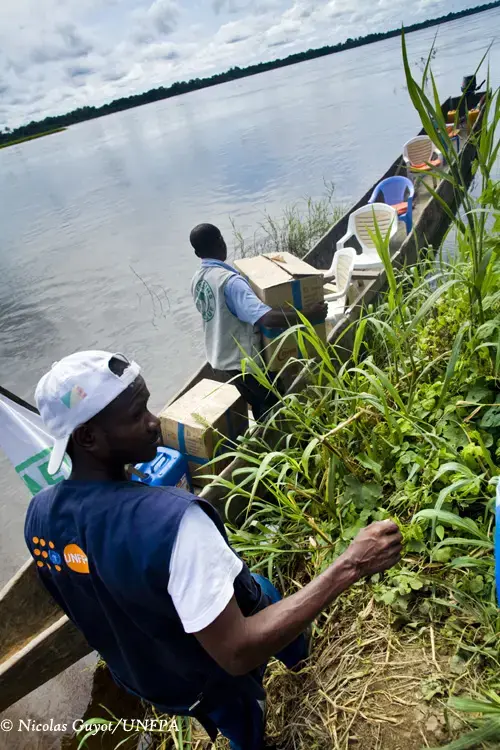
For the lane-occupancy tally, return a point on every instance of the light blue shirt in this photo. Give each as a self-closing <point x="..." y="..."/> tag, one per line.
<point x="240" y="298"/>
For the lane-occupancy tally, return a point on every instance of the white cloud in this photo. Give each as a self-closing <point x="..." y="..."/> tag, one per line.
<point x="156" y="21"/>
<point x="56" y="55"/>
<point x="246" y="7"/>
<point x="67" y="43"/>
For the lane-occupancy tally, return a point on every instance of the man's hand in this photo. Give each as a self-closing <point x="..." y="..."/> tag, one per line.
<point x="317" y="312"/>
<point x="239" y="644"/>
<point x="376" y="548"/>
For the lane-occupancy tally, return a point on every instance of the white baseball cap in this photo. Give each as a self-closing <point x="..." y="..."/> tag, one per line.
<point x="76" y="389"/>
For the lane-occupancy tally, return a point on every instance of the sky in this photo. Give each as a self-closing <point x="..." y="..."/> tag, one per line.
<point x="57" y="55"/>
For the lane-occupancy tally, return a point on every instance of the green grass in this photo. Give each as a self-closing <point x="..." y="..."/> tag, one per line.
<point x="31" y="137"/>
<point x="300" y="227"/>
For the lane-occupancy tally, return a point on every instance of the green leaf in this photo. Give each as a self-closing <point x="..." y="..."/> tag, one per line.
<point x="443" y="555"/>
<point x="420" y="101"/>
<point x="415" y="583"/>
<point x="471" y="562"/>
<point x="331" y="483"/>
<point x="490" y="418"/>
<point x="389" y="596"/>
<point x="472" y="706"/>
<point x="263" y="469"/>
<point x="445" y="492"/>
<point x="476" y="584"/>
<point x="456" y="467"/>
<point x="451" y="519"/>
<point x="363" y="495"/>
<point x="463" y="542"/>
<point x="124" y="742"/>
<point x="479" y="393"/>
<point x="489" y="730"/>
<point x="358" y="340"/>
<point x="370" y="464"/>
<point x="307" y="455"/>
<point x="455" y="354"/>
<point x="429" y="305"/>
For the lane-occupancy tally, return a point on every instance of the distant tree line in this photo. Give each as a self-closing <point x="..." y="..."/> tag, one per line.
<point x="183" y="87"/>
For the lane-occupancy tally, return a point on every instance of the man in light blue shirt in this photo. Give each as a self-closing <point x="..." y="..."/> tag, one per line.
<point x="240" y="298"/>
<point x="233" y="315"/>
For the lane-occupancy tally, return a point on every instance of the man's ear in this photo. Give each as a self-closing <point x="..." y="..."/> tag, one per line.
<point x="84" y="437"/>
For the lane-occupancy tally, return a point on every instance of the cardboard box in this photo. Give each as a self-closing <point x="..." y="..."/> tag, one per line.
<point x="195" y="423"/>
<point x="282" y="280"/>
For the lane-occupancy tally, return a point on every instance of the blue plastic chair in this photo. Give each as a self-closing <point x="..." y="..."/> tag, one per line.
<point x="398" y="192"/>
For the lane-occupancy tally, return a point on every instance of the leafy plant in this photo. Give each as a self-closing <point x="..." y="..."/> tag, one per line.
<point x="488" y="727"/>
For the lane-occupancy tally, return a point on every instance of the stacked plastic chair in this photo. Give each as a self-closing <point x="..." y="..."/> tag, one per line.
<point x="397" y="192"/>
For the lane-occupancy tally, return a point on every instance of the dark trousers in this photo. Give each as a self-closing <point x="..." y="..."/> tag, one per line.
<point x="255" y="394"/>
<point x="242" y="720"/>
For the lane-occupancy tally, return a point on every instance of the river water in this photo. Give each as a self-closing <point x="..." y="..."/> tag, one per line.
<point x="94" y="249"/>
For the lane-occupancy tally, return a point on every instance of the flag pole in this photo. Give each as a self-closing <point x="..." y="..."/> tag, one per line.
<point x="18" y="400"/>
<point x="26" y="443"/>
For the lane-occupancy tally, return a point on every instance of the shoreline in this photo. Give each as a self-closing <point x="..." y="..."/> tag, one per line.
<point x="33" y="137"/>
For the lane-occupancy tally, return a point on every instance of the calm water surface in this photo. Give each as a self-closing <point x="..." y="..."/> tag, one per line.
<point x="94" y="249"/>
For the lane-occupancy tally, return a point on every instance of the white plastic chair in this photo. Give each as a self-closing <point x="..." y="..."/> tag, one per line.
<point x="363" y="222"/>
<point x="336" y="294"/>
<point x="420" y="156"/>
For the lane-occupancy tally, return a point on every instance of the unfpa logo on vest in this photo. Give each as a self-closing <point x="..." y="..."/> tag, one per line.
<point x="46" y="557"/>
<point x="76" y="559"/>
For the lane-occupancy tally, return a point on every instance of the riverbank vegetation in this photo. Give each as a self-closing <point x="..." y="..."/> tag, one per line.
<point x="183" y="87"/>
<point x="300" y="227"/>
<point x="400" y="419"/>
<point x="30" y="137"/>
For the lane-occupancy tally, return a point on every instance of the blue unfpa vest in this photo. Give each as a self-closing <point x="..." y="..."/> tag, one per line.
<point x="103" y="551"/>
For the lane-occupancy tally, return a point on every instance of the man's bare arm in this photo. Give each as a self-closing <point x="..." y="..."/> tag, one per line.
<point x="239" y="644"/>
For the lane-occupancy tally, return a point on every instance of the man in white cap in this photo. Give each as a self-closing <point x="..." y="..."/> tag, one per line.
<point x="147" y="574"/>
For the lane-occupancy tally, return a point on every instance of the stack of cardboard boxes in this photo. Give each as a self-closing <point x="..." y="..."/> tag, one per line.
<point x="204" y="423"/>
<point x="283" y="281"/>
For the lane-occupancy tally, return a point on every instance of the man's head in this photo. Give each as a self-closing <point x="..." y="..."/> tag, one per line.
<point x="208" y="242"/>
<point x="95" y="406"/>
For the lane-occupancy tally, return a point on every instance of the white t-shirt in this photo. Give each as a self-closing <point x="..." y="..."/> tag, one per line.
<point x="202" y="571"/>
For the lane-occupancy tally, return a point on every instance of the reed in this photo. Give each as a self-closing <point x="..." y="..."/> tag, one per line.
<point x="300" y="226"/>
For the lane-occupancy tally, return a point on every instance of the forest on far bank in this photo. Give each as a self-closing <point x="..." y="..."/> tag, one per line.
<point x="25" y="132"/>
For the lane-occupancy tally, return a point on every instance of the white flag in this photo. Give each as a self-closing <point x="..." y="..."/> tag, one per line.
<point x="28" y="446"/>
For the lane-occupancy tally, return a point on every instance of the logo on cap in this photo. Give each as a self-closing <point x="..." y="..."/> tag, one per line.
<point x="73" y="397"/>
